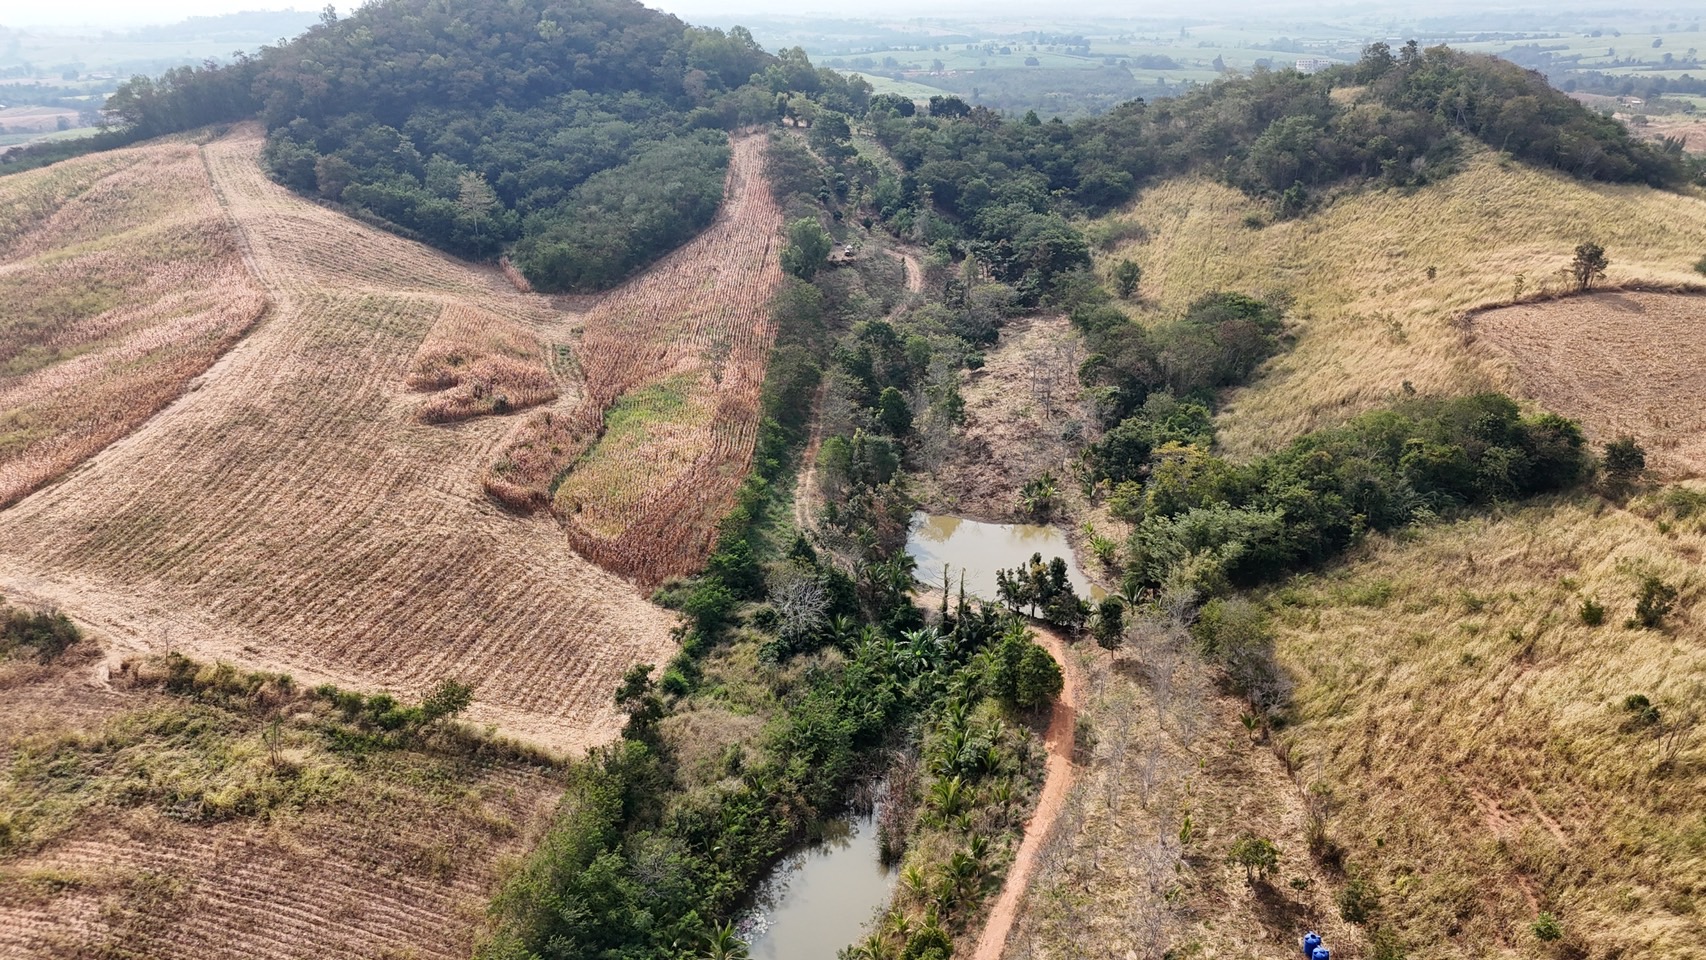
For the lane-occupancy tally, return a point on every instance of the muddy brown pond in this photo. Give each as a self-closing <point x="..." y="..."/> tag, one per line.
<point x="821" y="899"/>
<point x="825" y="897"/>
<point x="977" y="549"/>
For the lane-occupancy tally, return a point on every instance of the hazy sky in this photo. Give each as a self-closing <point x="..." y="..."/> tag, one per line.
<point x="122" y="13"/>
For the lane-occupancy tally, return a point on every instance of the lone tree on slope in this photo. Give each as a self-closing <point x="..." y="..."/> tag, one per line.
<point x="1589" y="265"/>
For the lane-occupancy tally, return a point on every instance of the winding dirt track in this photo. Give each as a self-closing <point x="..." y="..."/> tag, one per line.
<point x="1056" y="785"/>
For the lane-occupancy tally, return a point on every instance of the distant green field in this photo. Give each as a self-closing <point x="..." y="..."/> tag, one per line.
<point x="904" y="88"/>
<point x="15" y="139"/>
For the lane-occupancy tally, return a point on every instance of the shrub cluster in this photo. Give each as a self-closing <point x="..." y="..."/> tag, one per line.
<point x="1209" y="525"/>
<point x="47" y="634"/>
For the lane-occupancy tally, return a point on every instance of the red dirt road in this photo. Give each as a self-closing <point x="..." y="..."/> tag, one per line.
<point x="1056" y="784"/>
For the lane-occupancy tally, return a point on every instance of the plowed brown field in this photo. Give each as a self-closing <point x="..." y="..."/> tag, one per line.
<point x="643" y="464"/>
<point x="293" y="513"/>
<point x="120" y="281"/>
<point x="1621" y="363"/>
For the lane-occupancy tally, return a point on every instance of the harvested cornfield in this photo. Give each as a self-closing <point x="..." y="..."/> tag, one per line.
<point x="293" y="513"/>
<point x="481" y="364"/>
<point x="142" y="823"/>
<point x="645" y="462"/>
<point x="1623" y="363"/>
<point x="121" y="280"/>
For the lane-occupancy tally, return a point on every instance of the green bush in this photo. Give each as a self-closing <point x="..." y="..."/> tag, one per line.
<point x="1547" y="928"/>
<point x="1624" y="462"/>
<point x="1641" y="711"/>
<point x="48" y="634"/>
<point x="1591" y="612"/>
<point x="1358" y="901"/>
<point x="1257" y="855"/>
<point x="1654" y="600"/>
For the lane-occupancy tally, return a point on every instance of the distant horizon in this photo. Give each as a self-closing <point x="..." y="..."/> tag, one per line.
<point x="126" y="14"/>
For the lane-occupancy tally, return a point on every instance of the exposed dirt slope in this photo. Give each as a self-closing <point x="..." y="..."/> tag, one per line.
<point x="292" y="513"/>
<point x="1621" y="363"/>
<point x="1019" y="408"/>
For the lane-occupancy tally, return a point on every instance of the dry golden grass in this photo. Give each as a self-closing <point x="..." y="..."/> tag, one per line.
<point x="1469" y="727"/>
<point x="1473" y="728"/>
<point x="292" y="513"/>
<point x="122" y="281"/>
<point x="677" y="358"/>
<point x="481" y="364"/>
<point x="1369" y="317"/>
<point x="1621" y="363"/>
<point x="394" y="854"/>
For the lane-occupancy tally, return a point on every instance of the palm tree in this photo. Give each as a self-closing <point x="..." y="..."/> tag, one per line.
<point x="722" y="944"/>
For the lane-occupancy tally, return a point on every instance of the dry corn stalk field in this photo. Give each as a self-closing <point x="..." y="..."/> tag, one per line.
<point x="642" y="465"/>
<point x="1382" y="278"/>
<point x="120" y="282"/>
<point x="292" y="512"/>
<point x="1622" y="363"/>
<point x="393" y="855"/>
<point x="481" y="364"/>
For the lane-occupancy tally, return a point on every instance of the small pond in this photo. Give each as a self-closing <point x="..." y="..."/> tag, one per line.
<point x="978" y="549"/>
<point x="822" y="898"/>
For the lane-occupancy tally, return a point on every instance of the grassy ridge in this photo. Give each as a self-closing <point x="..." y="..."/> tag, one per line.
<point x="1370" y="316"/>
<point x="1461" y="731"/>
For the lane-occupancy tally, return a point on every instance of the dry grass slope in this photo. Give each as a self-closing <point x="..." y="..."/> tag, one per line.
<point x="642" y="466"/>
<point x="1381" y="278"/>
<point x="1474" y="732"/>
<point x="122" y="281"/>
<point x="293" y="514"/>
<point x="1468" y="726"/>
<point x="390" y="855"/>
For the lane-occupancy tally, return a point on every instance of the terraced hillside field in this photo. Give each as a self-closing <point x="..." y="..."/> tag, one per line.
<point x="120" y="280"/>
<point x="642" y="465"/>
<point x="293" y="512"/>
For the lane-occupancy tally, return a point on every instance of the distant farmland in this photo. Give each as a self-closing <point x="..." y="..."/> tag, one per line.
<point x="294" y="512"/>
<point x="643" y="465"/>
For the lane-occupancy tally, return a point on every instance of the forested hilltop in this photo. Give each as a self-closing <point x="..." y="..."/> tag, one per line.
<point x="585" y="136"/>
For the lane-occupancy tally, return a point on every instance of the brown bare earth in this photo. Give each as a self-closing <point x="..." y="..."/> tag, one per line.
<point x="643" y="463"/>
<point x="292" y="513"/>
<point x="120" y="281"/>
<point x="1621" y="363"/>
<point x="144" y="841"/>
<point x="1018" y="410"/>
